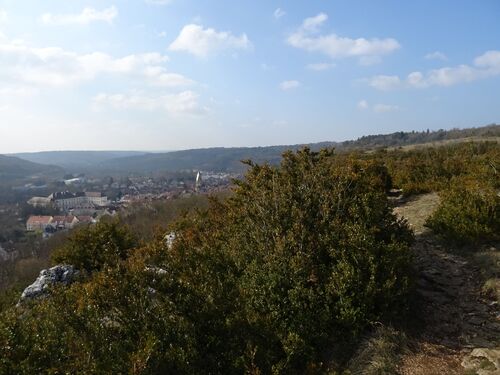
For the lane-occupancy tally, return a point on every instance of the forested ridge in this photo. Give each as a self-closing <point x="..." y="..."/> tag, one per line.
<point x="228" y="159"/>
<point x="12" y="169"/>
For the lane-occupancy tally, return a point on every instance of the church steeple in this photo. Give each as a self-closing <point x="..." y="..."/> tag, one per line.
<point x="198" y="181"/>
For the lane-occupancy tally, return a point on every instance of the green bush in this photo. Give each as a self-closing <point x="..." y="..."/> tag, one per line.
<point x="469" y="212"/>
<point x="319" y="251"/>
<point x="92" y="248"/>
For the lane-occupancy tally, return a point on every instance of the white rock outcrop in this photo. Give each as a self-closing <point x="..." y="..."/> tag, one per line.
<point x="483" y="361"/>
<point x="63" y="274"/>
<point x="169" y="239"/>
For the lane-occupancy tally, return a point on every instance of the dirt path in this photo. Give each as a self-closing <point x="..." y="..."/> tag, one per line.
<point x="454" y="319"/>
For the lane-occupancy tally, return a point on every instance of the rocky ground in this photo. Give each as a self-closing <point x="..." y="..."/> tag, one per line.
<point x="458" y="328"/>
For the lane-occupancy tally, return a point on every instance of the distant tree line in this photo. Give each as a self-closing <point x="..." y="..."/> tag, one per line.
<point x="229" y="159"/>
<point x="415" y="137"/>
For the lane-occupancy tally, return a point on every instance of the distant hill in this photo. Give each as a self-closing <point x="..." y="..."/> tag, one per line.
<point x="214" y="159"/>
<point x="74" y="159"/>
<point x="13" y="168"/>
<point x="229" y="159"/>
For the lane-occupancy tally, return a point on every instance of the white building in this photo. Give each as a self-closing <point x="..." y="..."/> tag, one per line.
<point x="96" y="198"/>
<point x="64" y="222"/>
<point x="67" y="200"/>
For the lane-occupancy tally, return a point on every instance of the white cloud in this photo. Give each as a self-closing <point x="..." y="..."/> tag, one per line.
<point x="382" y="82"/>
<point x="52" y="66"/>
<point x="320" y="66"/>
<point x="3" y="16"/>
<point x="278" y="13"/>
<point x="87" y="16"/>
<point x="377" y="108"/>
<point x="485" y="66"/>
<point x="306" y="37"/>
<point x="312" y="24"/>
<point x="202" y="42"/>
<point x="183" y="103"/>
<point x="159" y="76"/>
<point x="382" y="108"/>
<point x="436" y="55"/>
<point x="363" y="105"/>
<point x="289" y="85"/>
<point x="18" y="91"/>
<point x="448" y="76"/>
<point x="490" y="59"/>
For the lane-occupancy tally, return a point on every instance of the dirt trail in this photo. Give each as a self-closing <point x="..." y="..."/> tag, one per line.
<point x="455" y="320"/>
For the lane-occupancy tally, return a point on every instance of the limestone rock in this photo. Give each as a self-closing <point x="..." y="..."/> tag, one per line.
<point x="60" y="274"/>
<point x="169" y="239"/>
<point x="155" y="270"/>
<point x="483" y="361"/>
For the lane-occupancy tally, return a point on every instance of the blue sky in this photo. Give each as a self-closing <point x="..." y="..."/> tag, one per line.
<point x="177" y="74"/>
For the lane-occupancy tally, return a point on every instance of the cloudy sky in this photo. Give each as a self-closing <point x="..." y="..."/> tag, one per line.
<point x="176" y="74"/>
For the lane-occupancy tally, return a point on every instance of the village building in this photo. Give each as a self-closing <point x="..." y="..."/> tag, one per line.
<point x="66" y="200"/>
<point x="35" y="223"/>
<point x="74" y="181"/>
<point x="40" y="202"/>
<point x="96" y="198"/>
<point x="87" y="210"/>
<point x="199" y="181"/>
<point x="64" y="222"/>
<point x="51" y="224"/>
<point x="86" y="219"/>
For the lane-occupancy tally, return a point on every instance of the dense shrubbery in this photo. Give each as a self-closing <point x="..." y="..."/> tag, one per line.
<point x="469" y="212"/>
<point x="297" y="262"/>
<point x="319" y="250"/>
<point x="95" y="247"/>
<point x="467" y="177"/>
<point x="432" y="168"/>
<point x="145" y="219"/>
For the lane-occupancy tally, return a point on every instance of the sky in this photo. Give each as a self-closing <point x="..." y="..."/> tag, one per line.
<point x="158" y="75"/>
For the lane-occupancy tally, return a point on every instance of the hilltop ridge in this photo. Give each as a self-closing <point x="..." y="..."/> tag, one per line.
<point x="228" y="159"/>
<point x="13" y="168"/>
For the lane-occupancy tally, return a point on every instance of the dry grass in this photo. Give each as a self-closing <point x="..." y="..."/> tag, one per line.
<point x="430" y="359"/>
<point x="488" y="262"/>
<point x="446" y="142"/>
<point x="417" y="210"/>
<point x="379" y="353"/>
